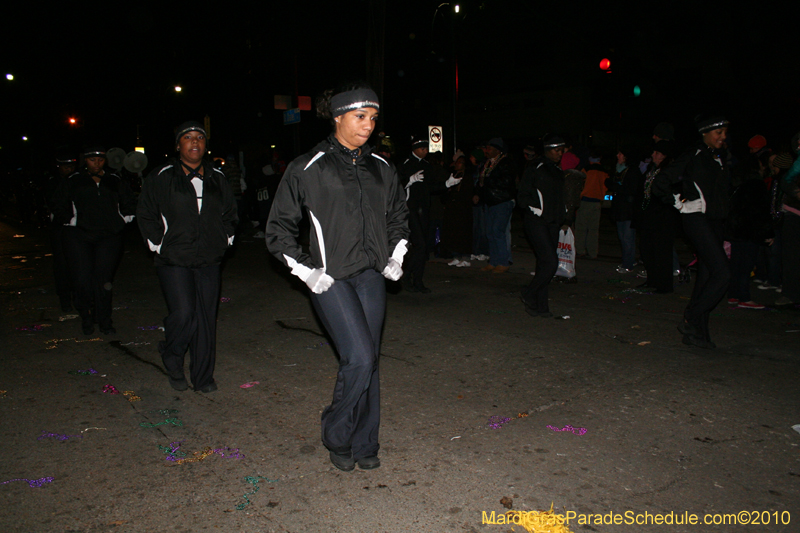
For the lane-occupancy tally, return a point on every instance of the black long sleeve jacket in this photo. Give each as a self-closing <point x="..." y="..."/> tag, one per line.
<point x="97" y="208"/>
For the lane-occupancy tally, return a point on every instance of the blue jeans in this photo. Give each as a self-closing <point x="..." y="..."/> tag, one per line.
<point x="480" y="243"/>
<point x="627" y="239"/>
<point x="497" y="220"/>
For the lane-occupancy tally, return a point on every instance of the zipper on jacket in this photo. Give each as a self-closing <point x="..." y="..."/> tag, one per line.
<point x="361" y="208"/>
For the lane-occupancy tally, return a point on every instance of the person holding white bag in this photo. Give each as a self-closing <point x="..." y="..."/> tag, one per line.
<point x="359" y="233"/>
<point x="541" y="197"/>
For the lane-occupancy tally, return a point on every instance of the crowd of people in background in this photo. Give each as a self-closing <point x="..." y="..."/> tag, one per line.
<point x="461" y="207"/>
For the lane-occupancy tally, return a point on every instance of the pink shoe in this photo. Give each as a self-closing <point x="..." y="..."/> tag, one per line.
<point x="750" y="305"/>
<point x="732" y="301"/>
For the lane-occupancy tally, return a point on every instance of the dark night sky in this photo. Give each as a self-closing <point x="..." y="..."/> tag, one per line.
<point x="114" y="66"/>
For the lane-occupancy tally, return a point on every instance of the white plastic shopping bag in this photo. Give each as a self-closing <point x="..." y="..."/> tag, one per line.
<point x="566" y="254"/>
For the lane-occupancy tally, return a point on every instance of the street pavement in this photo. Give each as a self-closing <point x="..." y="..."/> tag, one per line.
<point x="601" y="412"/>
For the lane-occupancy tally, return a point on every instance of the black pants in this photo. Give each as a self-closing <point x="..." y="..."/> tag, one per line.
<point x="713" y="274"/>
<point x="192" y="296"/>
<point x="352" y="312"/>
<point x="418" y="254"/>
<point x="61" y="272"/>
<point x="93" y="260"/>
<point x="544" y="240"/>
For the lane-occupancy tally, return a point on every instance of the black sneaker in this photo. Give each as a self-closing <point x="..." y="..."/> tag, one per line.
<point x="344" y="462"/>
<point x="368" y="463"/>
<point x="178" y="381"/>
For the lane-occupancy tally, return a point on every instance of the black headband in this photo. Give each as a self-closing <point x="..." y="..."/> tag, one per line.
<point x="351" y="100"/>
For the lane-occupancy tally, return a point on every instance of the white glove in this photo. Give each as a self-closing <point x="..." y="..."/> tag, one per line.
<point x="399" y="251"/>
<point x="452" y="181"/>
<point x="392" y="270"/>
<point x="415" y="178"/>
<point x="691" y="206"/>
<point x="316" y="279"/>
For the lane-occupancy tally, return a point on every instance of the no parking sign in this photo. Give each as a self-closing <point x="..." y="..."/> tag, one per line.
<point x="435" y="137"/>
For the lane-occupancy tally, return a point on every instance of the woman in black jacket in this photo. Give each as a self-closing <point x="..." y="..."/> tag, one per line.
<point x="704" y="180"/>
<point x="97" y="204"/>
<point x="359" y="234"/>
<point x="541" y="197"/>
<point x="187" y="215"/>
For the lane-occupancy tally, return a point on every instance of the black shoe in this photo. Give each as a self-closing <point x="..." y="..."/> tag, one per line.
<point x="368" y="463"/>
<point x="108" y="331"/>
<point x="422" y="289"/>
<point x="178" y="382"/>
<point x="211" y="387"/>
<point x="691" y="340"/>
<point x="344" y="462"/>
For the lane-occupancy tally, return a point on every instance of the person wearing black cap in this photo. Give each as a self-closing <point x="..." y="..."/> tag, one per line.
<point x="359" y="233"/>
<point x="66" y="164"/>
<point x="703" y="179"/>
<point x="187" y="215"/>
<point x="497" y="191"/>
<point x="541" y="197"/>
<point x="97" y="204"/>
<point x="421" y="179"/>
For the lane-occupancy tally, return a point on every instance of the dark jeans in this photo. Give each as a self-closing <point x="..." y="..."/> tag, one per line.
<point x="498" y="218"/>
<point x="352" y="312"/>
<point x="544" y="240"/>
<point x="768" y="266"/>
<point x="480" y="241"/>
<point x="192" y="296"/>
<point x="93" y="261"/>
<point x="627" y="240"/>
<point x="713" y="275"/>
<point x="743" y="258"/>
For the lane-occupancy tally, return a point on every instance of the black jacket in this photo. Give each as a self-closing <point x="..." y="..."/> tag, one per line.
<point x="707" y="169"/>
<point x="624" y="186"/>
<point x="500" y="184"/>
<point x="168" y="216"/>
<point x="419" y="193"/>
<point x="547" y="178"/>
<point x="357" y="209"/>
<point x="97" y="208"/>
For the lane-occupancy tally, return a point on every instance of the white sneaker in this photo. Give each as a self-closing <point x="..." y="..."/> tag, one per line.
<point x="464" y="264"/>
<point x="622" y="270"/>
<point x="676" y="273"/>
<point x="482" y="258"/>
<point x="766" y="285"/>
<point x="454" y="262"/>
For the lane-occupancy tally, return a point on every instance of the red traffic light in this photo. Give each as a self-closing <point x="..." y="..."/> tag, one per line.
<point x="605" y="64"/>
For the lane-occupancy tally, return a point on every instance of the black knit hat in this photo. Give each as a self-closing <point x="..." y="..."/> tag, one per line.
<point x="665" y="147"/>
<point x="706" y="123"/>
<point x="186" y="127"/>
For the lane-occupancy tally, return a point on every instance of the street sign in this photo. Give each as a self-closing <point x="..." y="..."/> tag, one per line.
<point x="435" y="142"/>
<point x="291" y="116"/>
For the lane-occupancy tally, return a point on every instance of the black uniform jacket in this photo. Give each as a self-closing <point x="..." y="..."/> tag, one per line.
<point x="433" y="182"/>
<point x="168" y="216"/>
<point x="705" y="168"/>
<point x="357" y="209"/>
<point x="97" y="208"/>
<point x="547" y="178"/>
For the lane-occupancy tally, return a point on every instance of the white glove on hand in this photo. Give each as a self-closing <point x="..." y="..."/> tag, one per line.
<point x="691" y="206"/>
<point x="392" y="270"/>
<point x="452" y="181"/>
<point x="318" y="281"/>
<point x="415" y="178"/>
<point x="536" y="210"/>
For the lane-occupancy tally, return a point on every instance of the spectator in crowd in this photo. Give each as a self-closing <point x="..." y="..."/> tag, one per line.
<point x="497" y="191"/>
<point x="587" y="221"/>
<point x="624" y="186"/>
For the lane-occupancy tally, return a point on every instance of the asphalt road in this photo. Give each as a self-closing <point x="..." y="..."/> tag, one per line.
<point x="472" y="389"/>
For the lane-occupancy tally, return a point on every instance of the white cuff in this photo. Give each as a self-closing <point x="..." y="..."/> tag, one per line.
<point x="298" y="269"/>
<point x="230" y="240"/>
<point x="153" y="247"/>
<point x="399" y="251"/>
